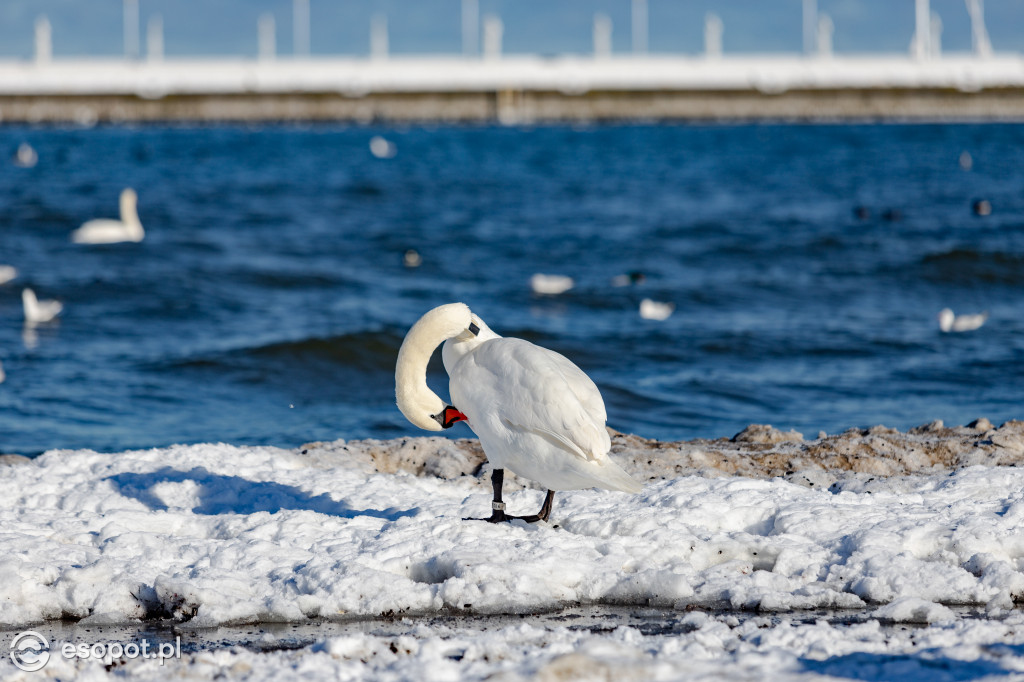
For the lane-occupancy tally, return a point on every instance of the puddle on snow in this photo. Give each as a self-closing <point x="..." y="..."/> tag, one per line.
<point x="262" y="637"/>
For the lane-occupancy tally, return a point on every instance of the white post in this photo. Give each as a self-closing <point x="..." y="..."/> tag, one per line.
<point x="811" y="27"/>
<point x="639" y="26"/>
<point x="379" y="36"/>
<point x="979" y="35"/>
<point x="713" y="30"/>
<point x="935" y="32"/>
<point x="825" y="30"/>
<point x="922" y="40"/>
<point x="602" y="36"/>
<point x="131" y="29"/>
<point x="44" y="40"/>
<point x="300" y="28"/>
<point x="155" y="38"/>
<point x="266" y="32"/>
<point x="470" y="27"/>
<point x="493" y="31"/>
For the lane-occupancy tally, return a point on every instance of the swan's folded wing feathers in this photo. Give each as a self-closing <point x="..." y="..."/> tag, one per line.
<point x="540" y="391"/>
<point x="582" y="386"/>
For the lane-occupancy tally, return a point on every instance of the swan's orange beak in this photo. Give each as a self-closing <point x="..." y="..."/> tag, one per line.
<point x="448" y="417"/>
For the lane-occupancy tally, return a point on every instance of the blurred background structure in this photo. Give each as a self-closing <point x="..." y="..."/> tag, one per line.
<point x="511" y="62"/>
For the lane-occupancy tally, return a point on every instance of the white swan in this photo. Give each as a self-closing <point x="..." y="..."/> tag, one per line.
<point x="534" y="411"/>
<point x="36" y="311"/>
<point x="106" y="231"/>
<point x="7" y="273"/>
<point x="948" y="322"/>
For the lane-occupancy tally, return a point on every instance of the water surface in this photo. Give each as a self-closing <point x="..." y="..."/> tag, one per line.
<point x="269" y="298"/>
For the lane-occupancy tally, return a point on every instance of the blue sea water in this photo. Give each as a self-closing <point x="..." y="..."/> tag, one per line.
<point x="269" y="298"/>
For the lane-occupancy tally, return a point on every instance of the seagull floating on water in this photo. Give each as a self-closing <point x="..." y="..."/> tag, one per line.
<point x="107" y="231"/>
<point x="7" y="273"/>
<point x="551" y="285"/>
<point x="655" y="310"/>
<point x="634" y="277"/>
<point x="981" y="207"/>
<point x="535" y="412"/>
<point x="25" y="156"/>
<point x="948" y="322"/>
<point x="36" y="311"/>
<point x="412" y="259"/>
<point x="383" y="148"/>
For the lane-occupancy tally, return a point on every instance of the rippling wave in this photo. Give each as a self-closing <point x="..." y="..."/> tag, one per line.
<point x="971" y="265"/>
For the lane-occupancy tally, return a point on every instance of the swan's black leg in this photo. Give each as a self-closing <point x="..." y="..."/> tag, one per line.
<point x="544" y="512"/>
<point x="497" y="506"/>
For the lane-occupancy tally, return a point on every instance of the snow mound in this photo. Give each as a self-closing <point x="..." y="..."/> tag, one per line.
<point x="218" y="534"/>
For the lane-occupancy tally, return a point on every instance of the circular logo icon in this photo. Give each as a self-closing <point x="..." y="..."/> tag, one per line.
<point x="30" y="651"/>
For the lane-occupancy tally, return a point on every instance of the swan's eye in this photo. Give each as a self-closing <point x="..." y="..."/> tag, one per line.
<point x="473" y="329"/>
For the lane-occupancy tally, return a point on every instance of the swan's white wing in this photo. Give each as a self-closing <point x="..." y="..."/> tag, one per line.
<point x="531" y="388"/>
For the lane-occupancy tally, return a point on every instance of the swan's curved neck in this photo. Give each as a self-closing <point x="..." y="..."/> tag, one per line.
<point x="130" y="213"/>
<point x="417" y="402"/>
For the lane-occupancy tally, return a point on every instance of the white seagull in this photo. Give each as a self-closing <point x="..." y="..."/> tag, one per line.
<point x="948" y="322"/>
<point x="656" y="310"/>
<point x="25" y="157"/>
<point x="36" y="311"/>
<point x="535" y="412"/>
<point x="551" y="285"/>
<point x="383" y="148"/>
<point x="107" y="231"/>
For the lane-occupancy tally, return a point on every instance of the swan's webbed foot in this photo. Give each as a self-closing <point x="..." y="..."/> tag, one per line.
<point x="498" y="514"/>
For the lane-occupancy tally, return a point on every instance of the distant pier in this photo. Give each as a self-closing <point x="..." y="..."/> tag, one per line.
<point x="514" y="90"/>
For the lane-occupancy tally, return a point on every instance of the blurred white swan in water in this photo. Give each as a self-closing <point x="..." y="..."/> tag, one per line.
<point x="107" y="231"/>
<point x="655" y="310"/>
<point x="948" y="322"/>
<point x="7" y="273"/>
<point x="36" y="311"/>
<point x="551" y="285"/>
<point x="535" y="412"/>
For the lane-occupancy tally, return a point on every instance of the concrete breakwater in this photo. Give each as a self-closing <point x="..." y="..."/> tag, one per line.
<point x="518" y="106"/>
<point x="514" y="90"/>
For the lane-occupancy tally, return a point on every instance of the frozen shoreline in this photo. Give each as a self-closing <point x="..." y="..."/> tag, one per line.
<point x="898" y="528"/>
<point x="221" y="534"/>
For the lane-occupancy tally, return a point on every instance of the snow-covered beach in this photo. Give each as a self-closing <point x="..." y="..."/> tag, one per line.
<point x="741" y="541"/>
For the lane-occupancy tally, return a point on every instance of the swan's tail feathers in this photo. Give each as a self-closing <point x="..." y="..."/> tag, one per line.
<point x="612" y="477"/>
